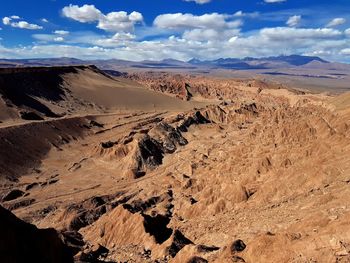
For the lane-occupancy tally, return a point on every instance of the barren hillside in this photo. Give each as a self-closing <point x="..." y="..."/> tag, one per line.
<point x="191" y="169"/>
<point x="37" y="93"/>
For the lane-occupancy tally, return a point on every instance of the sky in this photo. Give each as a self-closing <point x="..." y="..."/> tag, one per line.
<point x="178" y="29"/>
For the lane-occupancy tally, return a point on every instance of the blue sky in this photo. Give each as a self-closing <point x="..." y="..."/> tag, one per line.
<point x="179" y="29"/>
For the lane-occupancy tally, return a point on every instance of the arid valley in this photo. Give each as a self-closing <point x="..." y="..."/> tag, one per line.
<point x="169" y="167"/>
<point x="182" y="131"/>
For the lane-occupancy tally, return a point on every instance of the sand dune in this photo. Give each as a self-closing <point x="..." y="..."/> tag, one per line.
<point x="119" y="93"/>
<point x="49" y="92"/>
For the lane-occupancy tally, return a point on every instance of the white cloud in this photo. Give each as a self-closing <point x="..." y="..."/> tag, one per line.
<point x="347" y="32"/>
<point x="135" y="17"/>
<point x="26" y="25"/>
<point x="256" y="44"/>
<point x="44" y="20"/>
<point x="187" y="21"/>
<point x="83" y="14"/>
<point x="203" y="43"/>
<point x="209" y="34"/>
<point x="293" y="21"/>
<point x="119" y="21"/>
<point x="208" y="27"/>
<point x="61" y="32"/>
<point x="336" y="22"/>
<point x="289" y="34"/>
<point x="20" y="24"/>
<point x="345" y="51"/>
<point x="112" y="22"/>
<point x="43" y="38"/>
<point x="86" y="38"/>
<point x="319" y="53"/>
<point x="119" y="39"/>
<point x="201" y="2"/>
<point x="243" y="14"/>
<point x="6" y="21"/>
<point x="58" y="39"/>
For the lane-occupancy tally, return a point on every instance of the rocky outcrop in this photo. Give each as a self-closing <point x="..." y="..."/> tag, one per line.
<point x="13" y="194"/>
<point x="188" y="87"/>
<point x="145" y="149"/>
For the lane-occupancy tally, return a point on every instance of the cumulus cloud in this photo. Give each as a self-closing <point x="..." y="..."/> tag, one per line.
<point x="287" y="33"/>
<point x="83" y="14"/>
<point x="8" y="21"/>
<point x="336" y="22"/>
<point x="265" y="42"/>
<point x="186" y="21"/>
<point x="208" y="27"/>
<point x="125" y="46"/>
<point x="207" y="36"/>
<point x="119" y="21"/>
<point x="117" y="40"/>
<point x="112" y="22"/>
<point x="293" y="21"/>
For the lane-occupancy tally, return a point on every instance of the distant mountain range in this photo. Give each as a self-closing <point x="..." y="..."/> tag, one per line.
<point x="258" y="63"/>
<point x="247" y="63"/>
<point x="293" y="60"/>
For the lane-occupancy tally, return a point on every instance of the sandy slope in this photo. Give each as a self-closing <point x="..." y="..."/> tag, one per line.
<point x="263" y="177"/>
<point x="60" y="91"/>
<point x="119" y="93"/>
<point x="342" y="102"/>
